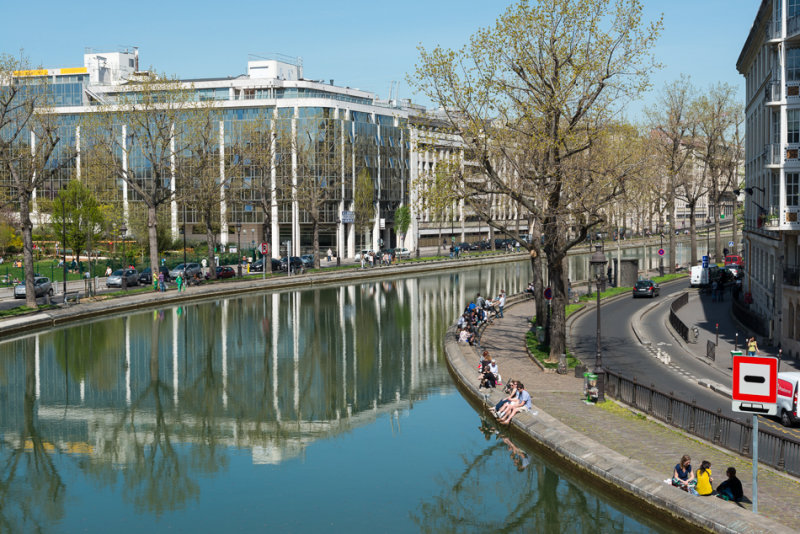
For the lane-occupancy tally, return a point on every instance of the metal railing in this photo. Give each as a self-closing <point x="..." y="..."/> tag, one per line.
<point x="711" y="350"/>
<point x="674" y="320"/>
<point x="774" y="449"/>
<point x="772" y="92"/>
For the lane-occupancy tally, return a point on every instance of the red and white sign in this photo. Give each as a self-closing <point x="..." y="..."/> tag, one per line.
<point x="265" y="248"/>
<point x="755" y="384"/>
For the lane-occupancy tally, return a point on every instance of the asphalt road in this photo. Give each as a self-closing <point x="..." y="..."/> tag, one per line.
<point x="624" y="354"/>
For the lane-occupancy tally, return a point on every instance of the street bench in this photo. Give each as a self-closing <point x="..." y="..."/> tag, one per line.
<point x="72" y="296"/>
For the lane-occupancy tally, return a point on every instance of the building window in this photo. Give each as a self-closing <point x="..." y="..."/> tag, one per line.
<point x="793" y="126"/>
<point x="793" y="8"/>
<point x="793" y="64"/>
<point x="792" y="188"/>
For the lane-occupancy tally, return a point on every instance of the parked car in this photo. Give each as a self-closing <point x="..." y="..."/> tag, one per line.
<point x="787" y="399"/>
<point x="146" y="276"/>
<point x="41" y="287"/>
<point x="131" y="277"/>
<point x="191" y="270"/>
<point x="646" y="288"/>
<point x="225" y="272"/>
<point x="363" y="253"/>
<point x="295" y="262"/>
<point x="308" y="260"/>
<point x="733" y="259"/>
<point x="258" y="266"/>
<point x="402" y="253"/>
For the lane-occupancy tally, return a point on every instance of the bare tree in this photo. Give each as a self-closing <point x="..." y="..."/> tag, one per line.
<point x="547" y="79"/>
<point x="31" y="152"/>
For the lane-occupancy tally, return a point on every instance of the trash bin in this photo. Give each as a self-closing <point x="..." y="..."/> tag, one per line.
<point x="736" y="353"/>
<point x="590" y="386"/>
<point x="540" y="334"/>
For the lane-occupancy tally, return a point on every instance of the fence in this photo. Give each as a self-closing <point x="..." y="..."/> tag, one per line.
<point x="674" y="320"/>
<point x="735" y="435"/>
<point x="711" y="350"/>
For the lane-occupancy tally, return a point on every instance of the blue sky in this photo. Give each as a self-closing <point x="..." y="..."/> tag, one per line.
<point x="364" y="44"/>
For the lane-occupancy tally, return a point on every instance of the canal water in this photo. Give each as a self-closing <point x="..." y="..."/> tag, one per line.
<point x="321" y="410"/>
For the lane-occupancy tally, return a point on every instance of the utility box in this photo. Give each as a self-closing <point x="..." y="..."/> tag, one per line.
<point x="630" y="272"/>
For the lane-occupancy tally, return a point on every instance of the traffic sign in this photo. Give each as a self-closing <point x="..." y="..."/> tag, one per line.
<point x="548" y="293"/>
<point x="755" y="385"/>
<point x="705" y="262"/>
<point x="730" y="243"/>
<point x="265" y="248"/>
<point x="661" y="252"/>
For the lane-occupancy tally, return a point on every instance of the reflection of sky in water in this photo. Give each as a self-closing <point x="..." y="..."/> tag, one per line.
<point x="325" y="409"/>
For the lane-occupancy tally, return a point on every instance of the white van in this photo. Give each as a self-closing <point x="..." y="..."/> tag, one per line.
<point x="699" y="276"/>
<point x="787" y="397"/>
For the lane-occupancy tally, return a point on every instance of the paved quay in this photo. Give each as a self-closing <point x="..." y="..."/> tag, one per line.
<point x="628" y="453"/>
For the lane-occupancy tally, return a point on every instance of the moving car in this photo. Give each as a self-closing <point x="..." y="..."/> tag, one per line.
<point x="646" y="288"/>
<point x="191" y="270"/>
<point x="225" y="272"/>
<point x="115" y="280"/>
<point x="41" y="287"/>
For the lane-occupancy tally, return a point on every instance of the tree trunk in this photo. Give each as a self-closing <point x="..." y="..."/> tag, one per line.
<point x="558" y="325"/>
<point x="27" y="249"/>
<point x="211" y="241"/>
<point x="265" y="227"/>
<point x="717" y="229"/>
<point x="152" y="238"/>
<point x="315" y="237"/>
<point x="538" y="278"/>
<point x="672" y="241"/>
<point x="735" y="225"/>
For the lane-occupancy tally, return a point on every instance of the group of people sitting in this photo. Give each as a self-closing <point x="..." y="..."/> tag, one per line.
<point x="477" y="313"/>
<point x="518" y="400"/>
<point x="700" y="483"/>
<point x="488" y="372"/>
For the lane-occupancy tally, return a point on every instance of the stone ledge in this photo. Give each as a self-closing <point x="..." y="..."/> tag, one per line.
<point x="625" y="475"/>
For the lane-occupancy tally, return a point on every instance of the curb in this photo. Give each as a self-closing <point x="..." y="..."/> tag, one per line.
<point x="624" y="477"/>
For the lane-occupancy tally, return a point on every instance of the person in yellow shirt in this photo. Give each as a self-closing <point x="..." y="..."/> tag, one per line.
<point x="704" y="479"/>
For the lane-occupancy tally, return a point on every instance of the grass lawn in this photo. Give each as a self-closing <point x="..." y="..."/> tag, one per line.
<point x="541" y="352"/>
<point x="24" y="310"/>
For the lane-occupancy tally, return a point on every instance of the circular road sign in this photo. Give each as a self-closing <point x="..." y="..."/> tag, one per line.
<point x="661" y="252"/>
<point x="730" y="243"/>
<point x="548" y="293"/>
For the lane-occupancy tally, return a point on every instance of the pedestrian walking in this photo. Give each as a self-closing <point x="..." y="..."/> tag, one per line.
<point x="501" y="303"/>
<point x="179" y="281"/>
<point x="161" y="286"/>
<point x="108" y="270"/>
<point x="330" y="255"/>
<point x="752" y="347"/>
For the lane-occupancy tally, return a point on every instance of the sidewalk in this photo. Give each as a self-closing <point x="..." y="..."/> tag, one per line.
<point x="647" y="447"/>
<point x="706" y="314"/>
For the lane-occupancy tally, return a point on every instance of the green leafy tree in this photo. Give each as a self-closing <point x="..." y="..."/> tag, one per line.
<point x="402" y="220"/>
<point x="77" y="214"/>
<point x="9" y="238"/>
<point x="363" y="201"/>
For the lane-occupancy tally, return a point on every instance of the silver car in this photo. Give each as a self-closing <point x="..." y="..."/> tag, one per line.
<point x="191" y="270"/>
<point x="41" y="287"/>
<point x="115" y="279"/>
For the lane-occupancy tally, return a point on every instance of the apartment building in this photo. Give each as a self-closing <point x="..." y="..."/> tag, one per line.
<point x="770" y="63"/>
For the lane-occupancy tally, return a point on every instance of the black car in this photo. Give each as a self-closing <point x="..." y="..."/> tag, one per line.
<point x="146" y="276"/>
<point x="258" y="266"/>
<point x="295" y="262"/>
<point x="646" y="288"/>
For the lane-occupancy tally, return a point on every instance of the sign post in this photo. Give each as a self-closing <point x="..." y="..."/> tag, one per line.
<point x="755" y="390"/>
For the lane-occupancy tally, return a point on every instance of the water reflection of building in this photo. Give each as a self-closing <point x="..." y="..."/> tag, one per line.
<point x="270" y="373"/>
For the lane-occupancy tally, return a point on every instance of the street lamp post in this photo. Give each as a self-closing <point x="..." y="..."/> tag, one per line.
<point x="661" y="247"/>
<point x="239" y="248"/>
<point x="64" y="239"/>
<point x="598" y="262"/>
<point x="123" y="230"/>
<point x="418" y="220"/>
<point x="184" y="242"/>
<point x="708" y="235"/>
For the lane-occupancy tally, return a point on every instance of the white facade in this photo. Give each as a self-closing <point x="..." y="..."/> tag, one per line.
<point x="770" y="63"/>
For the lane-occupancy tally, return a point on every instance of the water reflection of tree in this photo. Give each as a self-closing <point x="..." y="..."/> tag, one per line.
<point x="30" y="484"/>
<point x="90" y="352"/>
<point x="154" y="478"/>
<point x="535" y="500"/>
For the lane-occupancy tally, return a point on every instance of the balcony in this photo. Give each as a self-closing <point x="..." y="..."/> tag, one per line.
<point x="772" y="93"/>
<point x="774" y="30"/>
<point x="772" y="155"/>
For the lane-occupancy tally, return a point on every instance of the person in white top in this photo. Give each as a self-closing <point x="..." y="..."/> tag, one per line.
<point x="501" y="303"/>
